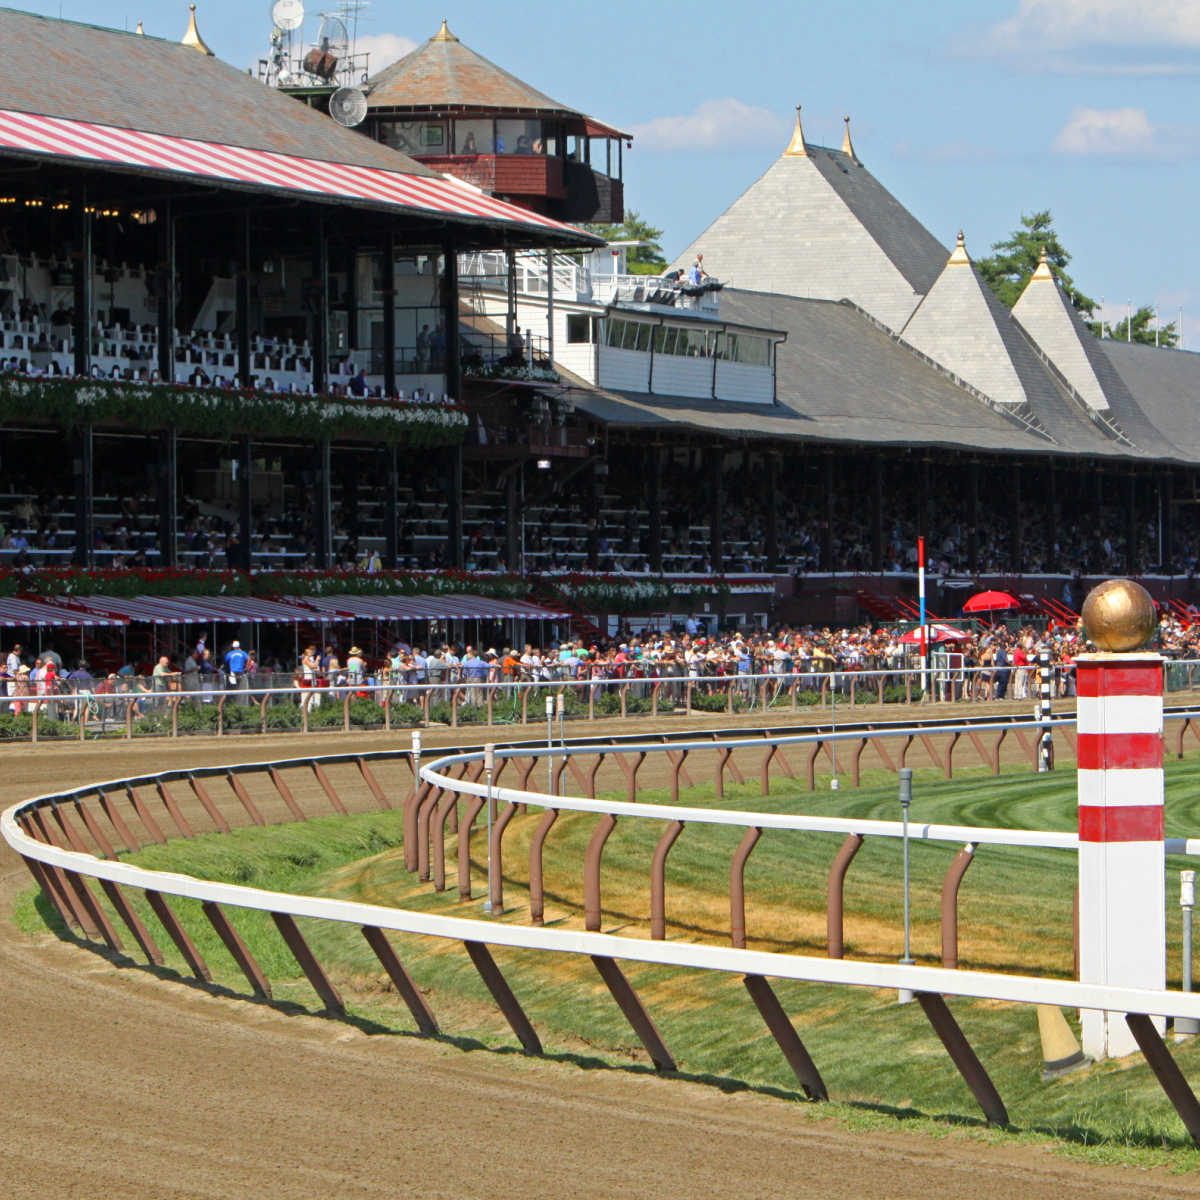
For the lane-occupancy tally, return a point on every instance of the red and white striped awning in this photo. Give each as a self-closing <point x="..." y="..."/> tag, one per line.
<point x="18" y="613"/>
<point x="62" y="137"/>
<point x="430" y="608"/>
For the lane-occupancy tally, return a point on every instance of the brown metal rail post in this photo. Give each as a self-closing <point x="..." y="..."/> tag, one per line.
<point x="591" y="872"/>
<point x="321" y="982"/>
<point x="401" y="980"/>
<point x="537" y="895"/>
<point x="950" y="885"/>
<point x="508" y="1004"/>
<point x="737" y="887"/>
<point x="835" y="894"/>
<point x="964" y="1058"/>
<point x="635" y="1012"/>
<point x="497" y="852"/>
<point x="658" y="880"/>
<point x="786" y="1037"/>
<point x="238" y="949"/>
<point x="1166" y="1071"/>
<point x="474" y="806"/>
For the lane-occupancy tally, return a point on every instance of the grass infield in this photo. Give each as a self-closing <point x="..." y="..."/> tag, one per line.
<point x="881" y="1061"/>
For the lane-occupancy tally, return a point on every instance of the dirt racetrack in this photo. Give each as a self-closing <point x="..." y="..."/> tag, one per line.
<point x="118" y="1084"/>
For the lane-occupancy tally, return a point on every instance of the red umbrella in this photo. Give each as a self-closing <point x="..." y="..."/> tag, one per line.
<point x="937" y="633"/>
<point x="990" y="602"/>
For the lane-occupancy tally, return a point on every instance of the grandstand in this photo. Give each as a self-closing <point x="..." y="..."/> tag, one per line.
<point x="235" y="334"/>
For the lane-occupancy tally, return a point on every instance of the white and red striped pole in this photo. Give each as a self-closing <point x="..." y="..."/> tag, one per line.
<point x="1122" y="874"/>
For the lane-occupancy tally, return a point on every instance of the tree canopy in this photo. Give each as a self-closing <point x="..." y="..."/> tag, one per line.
<point x="1138" y="328"/>
<point x="1012" y="262"/>
<point x="646" y="259"/>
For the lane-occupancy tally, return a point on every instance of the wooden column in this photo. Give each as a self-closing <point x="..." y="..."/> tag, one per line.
<point x="716" y="473"/>
<point x="772" y="530"/>
<point x="83" y="482"/>
<point x="876" y="473"/>
<point x="1131" y="523"/>
<point x="1016" y="521"/>
<point x="322" y="506"/>
<point x="389" y="323"/>
<point x="454" y="507"/>
<point x="81" y="270"/>
<point x="167" y="454"/>
<point x="245" y="499"/>
<point x="391" y="474"/>
<point x="450" y="317"/>
<point x="827" y="534"/>
<point x="973" y="517"/>
<point x="654" y="476"/>
<point x="320" y="303"/>
<point x="242" y="310"/>
<point x="167" y="281"/>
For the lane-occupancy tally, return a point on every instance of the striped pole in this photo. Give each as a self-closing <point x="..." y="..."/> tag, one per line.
<point x="1122" y="874"/>
<point x="1046" y="742"/>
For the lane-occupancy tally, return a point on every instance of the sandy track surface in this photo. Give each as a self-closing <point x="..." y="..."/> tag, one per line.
<point x="118" y="1084"/>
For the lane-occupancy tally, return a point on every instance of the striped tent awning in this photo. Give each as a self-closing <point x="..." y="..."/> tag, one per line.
<point x="62" y="137"/>
<point x="18" y="613"/>
<point x="431" y="608"/>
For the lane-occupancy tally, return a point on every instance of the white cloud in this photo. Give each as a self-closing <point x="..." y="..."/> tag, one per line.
<point x="384" y="49"/>
<point x="1038" y="24"/>
<point x="726" y="124"/>
<point x="1107" y="131"/>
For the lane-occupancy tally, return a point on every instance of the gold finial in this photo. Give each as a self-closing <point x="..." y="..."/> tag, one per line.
<point x="192" y="37"/>
<point x="139" y="30"/>
<point x="1119" y="616"/>
<point x="796" y="147"/>
<point x="444" y="34"/>
<point x="1043" y="270"/>
<point x="959" y="257"/>
<point x="847" y="144"/>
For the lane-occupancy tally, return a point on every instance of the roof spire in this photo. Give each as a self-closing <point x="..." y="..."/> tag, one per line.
<point x="192" y="37"/>
<point x="1043" y="270"/>
<point x="796" y="147"/>
<point x="139" y="30"/>
<point x="959" y="257"/>
<point x="444" y="34"/>
<point x="847" y="144"/>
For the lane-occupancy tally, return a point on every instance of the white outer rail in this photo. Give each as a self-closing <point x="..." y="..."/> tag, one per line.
<point x="1018" y="989"/>
<point x="979" y="835"/>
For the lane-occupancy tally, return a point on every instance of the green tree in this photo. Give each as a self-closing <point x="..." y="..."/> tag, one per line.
<point x="1012" y="262"/>
<point x="646" y="259"/>
<point x="1138" y="328"/>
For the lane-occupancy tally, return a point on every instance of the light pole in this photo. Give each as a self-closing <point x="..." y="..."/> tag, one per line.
<point x="833" y="783"/>
<point x="1187" y="1026"/>
<point x="489" y="767"/>
<point x="905" y="995"/>
<point x="549" y="744"/>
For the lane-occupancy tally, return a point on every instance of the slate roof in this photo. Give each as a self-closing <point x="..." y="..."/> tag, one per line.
<point x="443" y="73"/>
<point x="820" y="225"/>
<point x="963" y="325"/>
<point x="1166" y="384"/>
<point x="147" y="83"/>
<point x="841" y="377"/>
<point x="1047" y="314"/>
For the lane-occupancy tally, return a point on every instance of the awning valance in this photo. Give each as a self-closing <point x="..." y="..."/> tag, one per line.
<point x="62" y="137"/>
<point x="18" y="613"/>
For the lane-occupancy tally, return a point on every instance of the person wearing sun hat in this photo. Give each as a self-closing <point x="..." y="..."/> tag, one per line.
<point x="356" y="667"/>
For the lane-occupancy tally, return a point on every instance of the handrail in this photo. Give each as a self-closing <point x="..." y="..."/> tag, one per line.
<point x="978" y="984"/>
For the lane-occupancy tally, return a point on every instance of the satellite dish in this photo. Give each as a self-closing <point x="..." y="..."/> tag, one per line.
<point x="287" y="14"/>
<point x="333" y="37"/>
<point x="348" y="106"/>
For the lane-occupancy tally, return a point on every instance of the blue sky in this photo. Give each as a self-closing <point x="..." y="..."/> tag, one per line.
<point x="970" y="114"/>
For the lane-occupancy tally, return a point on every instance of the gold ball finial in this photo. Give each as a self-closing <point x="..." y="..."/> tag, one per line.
<point x="1119" y="616"/>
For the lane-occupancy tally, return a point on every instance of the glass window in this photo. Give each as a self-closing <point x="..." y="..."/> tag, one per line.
<point x="415" y="137"/>
<point x="615" y="331"/>
<point x="746" y="348"/>
<point x="578" y="328"/>
<point x="520" y="137"/>
<point x="629" y="339"/>
<point x="644" y="332"/>
<point x="473" y="137"/>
